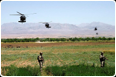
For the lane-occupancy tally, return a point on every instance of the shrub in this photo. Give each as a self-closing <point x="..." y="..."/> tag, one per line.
<point x="109" y="52"/>
<point x="22" y="71"/>
<point x="81" y="70"/>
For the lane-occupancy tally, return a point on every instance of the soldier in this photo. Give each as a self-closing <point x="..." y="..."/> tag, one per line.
<point x="102" y="59"/>
<point x="40" y="60"/>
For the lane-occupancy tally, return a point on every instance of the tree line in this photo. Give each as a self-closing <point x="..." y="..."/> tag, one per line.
<point x="56" y="39"/>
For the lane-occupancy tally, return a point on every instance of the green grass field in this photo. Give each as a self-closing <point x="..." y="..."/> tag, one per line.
<point x="70" y="57"/>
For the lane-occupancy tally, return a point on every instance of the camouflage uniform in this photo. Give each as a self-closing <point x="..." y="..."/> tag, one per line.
<point x="40" y="60"/>
<point x="102" y="59"/>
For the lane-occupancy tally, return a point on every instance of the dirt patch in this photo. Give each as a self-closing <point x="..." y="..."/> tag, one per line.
<point x="24" y="45"/>
<point x="8" y="63"/>
<point x="3" y="72"/>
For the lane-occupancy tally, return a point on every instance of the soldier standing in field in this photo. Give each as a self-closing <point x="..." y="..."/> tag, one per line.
<point x="40" y="60"/>
<point x="102" y="59"/>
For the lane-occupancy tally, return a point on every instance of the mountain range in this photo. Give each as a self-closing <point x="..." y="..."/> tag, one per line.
<point x="57" y="30"/>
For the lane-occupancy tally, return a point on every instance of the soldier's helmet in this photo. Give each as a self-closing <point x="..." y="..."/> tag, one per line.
<point x="101" y="53"/>
<point x="41" y="53"/>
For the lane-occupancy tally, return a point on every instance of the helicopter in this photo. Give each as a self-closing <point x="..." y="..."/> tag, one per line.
<point x="46" y="24"/>
<point x="95" y="28"/>
<point x="96" y="33"/>
<point x="22" y="17"/>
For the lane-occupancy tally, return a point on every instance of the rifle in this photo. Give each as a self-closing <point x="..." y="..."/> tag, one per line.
<point x="106" y="58"/>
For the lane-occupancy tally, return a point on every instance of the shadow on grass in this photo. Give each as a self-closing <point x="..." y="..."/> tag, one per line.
<point x="80" y="70"/>
<point x="22" y="71"/>
<point x="74" y="70"/>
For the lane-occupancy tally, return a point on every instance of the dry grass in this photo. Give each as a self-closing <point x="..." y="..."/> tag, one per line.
<point x="54" y="44"/>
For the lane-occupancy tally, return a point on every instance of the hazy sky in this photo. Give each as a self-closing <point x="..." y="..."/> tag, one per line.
<point x="72" y="12"/>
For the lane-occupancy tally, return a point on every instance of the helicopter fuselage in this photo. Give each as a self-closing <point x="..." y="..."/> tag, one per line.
<point x="47" y="25"/>
<point x="22" y="19"/>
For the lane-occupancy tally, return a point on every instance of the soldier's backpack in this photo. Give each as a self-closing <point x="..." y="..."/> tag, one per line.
<point x="102" y="58"/>
<point x="39" y="58"/>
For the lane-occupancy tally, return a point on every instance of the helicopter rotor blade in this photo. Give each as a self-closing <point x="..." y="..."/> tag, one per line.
<point x="26" y="16"/>
<point x="15" y="14"/>
<point x="30" y="14"/>
<point x="33" y="13"/>
<point x="43" y="22"/>
<point x="20" y="13"/>
<point x="50" y="22"/>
